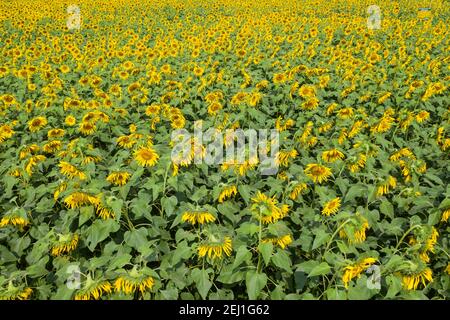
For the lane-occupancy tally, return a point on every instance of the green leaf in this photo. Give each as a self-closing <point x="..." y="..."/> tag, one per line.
<point x="170" y="294"/>
<point x="321" y="269"/>
<point x="99" y="231"/>
<point x="307" y="266"/>
<point x="119" y="261"/>
<point x="201" y="279"/>
<point x="242" y="254"/>
<point x="136" y="238"/>
<point x="168" y="205"/>
<point x="387" y="209"/>
<point x="255" y="282"/>
<point x="357" y="190"/>
<point x="335" y="294"/>
<point x="282" y="260"/>
<point x="394" y="284"/>
<point x="321" y="238"/>
<point x="266" y="250"/>
<point x="86" y="213"/>
<point x="244" y="191"/>
<point x="182" y="252"/>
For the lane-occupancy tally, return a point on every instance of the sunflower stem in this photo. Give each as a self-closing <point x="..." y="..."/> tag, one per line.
<point x="405" y="234"/>
<point x="334" y="234"/>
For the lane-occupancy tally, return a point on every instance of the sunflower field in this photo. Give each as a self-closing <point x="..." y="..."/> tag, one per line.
<point x="93" y="206"/>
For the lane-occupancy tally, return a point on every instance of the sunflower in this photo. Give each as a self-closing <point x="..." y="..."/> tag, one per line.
<point x="355" y="270"/>
<point x="198" y="71"/>
<point x="215" y="248"/>
<point x="153" y="109"/>
<point x="93" y="290"/>
<point x="357" y="163"/>
<point x="15" y="293"/>
<point x="386" y="186"/>
<point x="427" y="244"/>
<point x="14" y="220"/>
<point x="61" y="188"/>
<point x="6" y="132"/>
<point x="33" y="162"/>
<point x="283" y="157"/>
<point x="103" y="211"/>
<point x="71" y="171"/>
<point x="266" y="208"/>
<point x="200" y="217"/>
<point x="310" y="104"/>
<point x="331" y="207"/>
<point x="445" y="215"/>
<point x="55" y="133"/>
<point x="146" y="156"/>
<point x="282" y="241"/>
<point x="317" y="172"/>
<point x="37" y="123"/>
<point x="447" y="269"/>
<point x="346" y="113"/>
<point x="332" y="155"/>
<point x="307" y="91"/>
<point x="411" y="281"/>
<point x="52" y="146"/>
<point x="214" y="107"/>
<point x="87" y="128"/>
<point x="118" y="178"/>
<point x="126" y="141"/>
<point x="227" y="193"/>
<point x="279" y="78"/>
<point x="70" y="120"/>
<point x="422" y="116"/>
<point x="134" y="281"/>
<point x="80" y="199"/>
<point x="66" y="244"/>
<point x="358" y="230"/>
<point x="297" y="190"/>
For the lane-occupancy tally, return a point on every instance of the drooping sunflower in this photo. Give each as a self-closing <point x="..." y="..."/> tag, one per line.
<point x="200" y="217"/>
<point x="332" y="155"/>
<point x="215" y="247"/>
<point x="146" y="156"/>
<point x="18" y="221"/>
<point x="282" y="241"/>
<point x="65" y="244"/>
<point x="227" y="193"/>
<point x="118" y="178"/>
<point x="355" y="270"/>
<point x="266" y="209"/>
<point x="297" y="190"/>
<point x="445" y="215"/>
<point x="318" y="173"/>
<point x="93" y="289"/>
<point x="357" y="231"/>
<point x="33" y="162"/>
<point x="386" y="186"/>
<point x="15" y="293"/>
<point x="104" y="211"/>
<point x="71" y="171"/>
<point x="134" y="281"/>
<point x="412" y="280"/>
<point x="79" y="199"/>
<point x="52" y="146"/>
